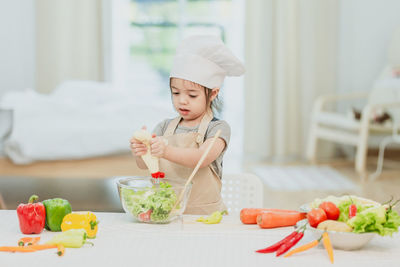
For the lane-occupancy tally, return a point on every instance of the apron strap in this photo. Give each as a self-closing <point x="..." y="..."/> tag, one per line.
<point x="172" y="126"/>
<point x="205" y="121"/>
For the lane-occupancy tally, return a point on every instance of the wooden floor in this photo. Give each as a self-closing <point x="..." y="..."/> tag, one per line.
<point x="100" y="169"/>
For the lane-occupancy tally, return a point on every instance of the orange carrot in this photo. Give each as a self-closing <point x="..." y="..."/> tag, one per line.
<point x="302" y="248"/>
<point x="328" y="246"/>
<point x="60" y="250"/>
<point x="42" y="247"/>
<point x="249" y="215"/>
<point x="28" y="241"/>
<point x="17" y="249"/>
<point x="272" y="219"/>
<point x="34" y="240"/>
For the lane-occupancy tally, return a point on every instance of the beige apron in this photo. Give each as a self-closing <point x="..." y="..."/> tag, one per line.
<point x="205" y="197"/>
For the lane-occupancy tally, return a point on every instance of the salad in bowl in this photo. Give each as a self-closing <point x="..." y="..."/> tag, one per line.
<point x="151" y="202"/>
<point x="351" y="221"/>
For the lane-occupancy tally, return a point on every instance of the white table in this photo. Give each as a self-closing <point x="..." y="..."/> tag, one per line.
<point x="122" y="242"/>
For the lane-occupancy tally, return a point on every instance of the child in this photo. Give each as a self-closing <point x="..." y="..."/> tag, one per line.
<point x="200" y="66"/>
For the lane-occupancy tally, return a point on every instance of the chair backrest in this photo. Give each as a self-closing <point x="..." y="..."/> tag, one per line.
<point x="243" y="190"/>
<point x="387" y="91"/>
<point x="387" y="87"/>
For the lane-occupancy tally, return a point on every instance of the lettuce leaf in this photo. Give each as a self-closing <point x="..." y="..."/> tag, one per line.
<point x="376" y="219"/>
<point x="392" y="222"/>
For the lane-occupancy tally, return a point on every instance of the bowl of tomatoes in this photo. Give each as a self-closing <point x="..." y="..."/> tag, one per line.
<point x="347" y="220"/>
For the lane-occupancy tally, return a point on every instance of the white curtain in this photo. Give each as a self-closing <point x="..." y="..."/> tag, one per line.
<point x="291" y="54"/>
<point x="68" y="42"/>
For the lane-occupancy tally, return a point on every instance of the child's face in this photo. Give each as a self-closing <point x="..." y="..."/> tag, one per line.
<point x="189" y="98"/>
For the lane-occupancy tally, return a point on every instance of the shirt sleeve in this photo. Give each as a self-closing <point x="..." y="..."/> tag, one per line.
<point x="161" y="127"/>
<point x="225" y="131"/>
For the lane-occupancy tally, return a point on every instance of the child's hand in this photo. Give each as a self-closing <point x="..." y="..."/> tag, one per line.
<point x="157" y="145"/>
<point x="137" y="148"/>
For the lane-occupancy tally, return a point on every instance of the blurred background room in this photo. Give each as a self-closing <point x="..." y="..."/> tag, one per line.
<point x="317" y="107"/>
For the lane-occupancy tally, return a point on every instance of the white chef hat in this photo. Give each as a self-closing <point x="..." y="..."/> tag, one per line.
<point x="205" y="59"/>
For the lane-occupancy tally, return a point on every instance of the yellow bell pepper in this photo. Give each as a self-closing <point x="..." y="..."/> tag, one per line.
<point x="75" y="220"/>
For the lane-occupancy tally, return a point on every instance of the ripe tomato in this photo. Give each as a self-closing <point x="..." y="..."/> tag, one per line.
<point x="145" y="216"/>
<point x="331" y="210"/>
<point x="315" y="216"/>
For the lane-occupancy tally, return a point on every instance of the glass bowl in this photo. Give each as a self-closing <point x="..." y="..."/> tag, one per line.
<point x="151" y="202"/>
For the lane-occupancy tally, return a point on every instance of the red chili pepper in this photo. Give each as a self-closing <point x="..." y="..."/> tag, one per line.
<point x="275" y="246"/>
<point x="31" y="216"/>
<point x="352" y="210"/>
<point x="286" y="246"/>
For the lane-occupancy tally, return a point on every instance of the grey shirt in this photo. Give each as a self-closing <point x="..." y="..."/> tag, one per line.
<point x="212" y="129"/>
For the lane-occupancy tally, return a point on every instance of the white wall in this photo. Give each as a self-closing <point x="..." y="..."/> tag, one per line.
<point x="17" y="45"/>
<point x="366" y="27"/>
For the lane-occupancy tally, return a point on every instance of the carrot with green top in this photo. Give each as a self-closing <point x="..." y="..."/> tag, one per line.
<point x="303" y="247"/>
<point x="328" y="246"/>
<point x="33" y="246"/>
<point x="24" y="240"/>
<point x="28" y="241"/>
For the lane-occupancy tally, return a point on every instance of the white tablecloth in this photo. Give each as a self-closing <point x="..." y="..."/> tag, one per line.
<point x="122" y="242"/>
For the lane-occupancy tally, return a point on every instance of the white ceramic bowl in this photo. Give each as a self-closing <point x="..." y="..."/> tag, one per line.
<point x="341" y="240"/>
<point x="345" y="240"/>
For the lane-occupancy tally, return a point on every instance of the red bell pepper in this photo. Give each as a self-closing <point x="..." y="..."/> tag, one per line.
<point x="31" y="216"/>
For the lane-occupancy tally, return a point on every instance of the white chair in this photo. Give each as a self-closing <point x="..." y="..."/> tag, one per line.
<point x="244" y="190"/>
<point x="339" y="128"/>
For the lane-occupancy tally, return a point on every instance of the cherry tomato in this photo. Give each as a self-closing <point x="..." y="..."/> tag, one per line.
<point x="145" y="216"/>
<point x="331" y="210"/>
<point x="315" y="216"/>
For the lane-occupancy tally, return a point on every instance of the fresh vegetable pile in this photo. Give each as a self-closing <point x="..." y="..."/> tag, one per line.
<point x="339" y="214"/>
<point x="354" y="214"/>
<point x="56" y="215"/>
<point x="150" y="204"/>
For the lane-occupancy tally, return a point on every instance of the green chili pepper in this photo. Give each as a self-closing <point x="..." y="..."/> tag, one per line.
<point x="216" y="217"/>
<point x="56" y="209"/>
<point x="74" y="238"/>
